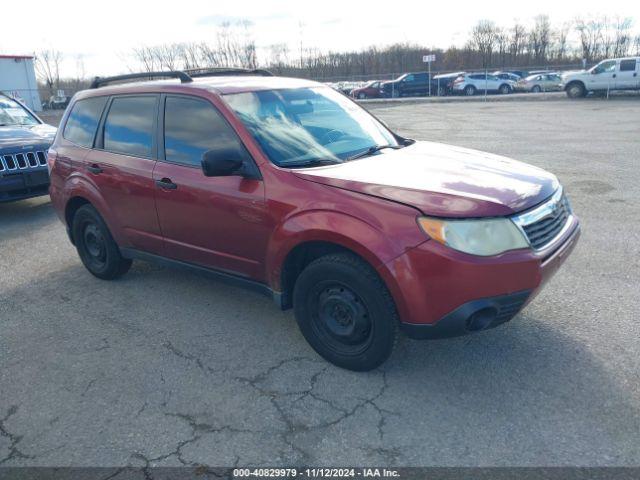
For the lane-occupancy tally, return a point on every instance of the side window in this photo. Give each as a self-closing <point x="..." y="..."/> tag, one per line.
<point x="129" y="126"/>
<point x="83" y="121"/>
<point x="628" y="65"/>
<point x="193" y="126"/>
<point x="408" y="78"/>
<point x="608" y="66"/>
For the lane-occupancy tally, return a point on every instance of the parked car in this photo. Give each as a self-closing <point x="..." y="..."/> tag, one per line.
<point x="58" y="102"/>
<point x="24" y="140"/>
<point x="444" y="82"/>
<point x="409" y="85"/>
<point x="545" y="82"/>
<point x="612" y="74"/>
<point x="472" y="83"/>
<point x="507" y="76"/>
<point x="370" y="90"/>
<point x="285" y="186"/>
<point x="517" y="73"/>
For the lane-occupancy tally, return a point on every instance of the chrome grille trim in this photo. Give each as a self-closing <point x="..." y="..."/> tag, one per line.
<point x="545" y="223"/>
<point x="22" y="161"/>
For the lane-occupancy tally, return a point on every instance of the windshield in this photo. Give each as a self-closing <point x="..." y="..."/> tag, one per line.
<point x="305" y="125"/>
<point x="12" y="113"/>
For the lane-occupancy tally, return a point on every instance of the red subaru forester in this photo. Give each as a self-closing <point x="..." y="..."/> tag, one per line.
<point x="290" y="188"/>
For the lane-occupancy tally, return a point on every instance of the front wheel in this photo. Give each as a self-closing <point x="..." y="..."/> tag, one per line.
<point x="576" y="90"/>
<point x="536" y="89"/>
<point x="469" y="90"/>
<point x="345" y="312"/>
<point x="362" y="96"/>
<point x="96" y="247"/>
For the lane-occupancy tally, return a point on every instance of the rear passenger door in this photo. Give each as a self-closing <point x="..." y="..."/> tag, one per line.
<point x="627" y="75"/>
<point x="216" y="222"/>
<point x="121" y="166"/>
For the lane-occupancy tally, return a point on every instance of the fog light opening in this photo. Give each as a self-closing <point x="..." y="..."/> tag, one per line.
<point x="481" y="319"/>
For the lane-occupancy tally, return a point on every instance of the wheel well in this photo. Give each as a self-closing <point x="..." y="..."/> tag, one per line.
<point x="296" y="261"/>
<point x="574" y="82"/>
<point x="70" y="210"/>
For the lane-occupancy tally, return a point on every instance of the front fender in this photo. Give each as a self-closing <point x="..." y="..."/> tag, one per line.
<point x="338" y="228"/>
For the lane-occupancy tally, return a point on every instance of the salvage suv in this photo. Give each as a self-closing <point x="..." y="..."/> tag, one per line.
<point x="290" y="188"/>
<point x="24" y="140"/>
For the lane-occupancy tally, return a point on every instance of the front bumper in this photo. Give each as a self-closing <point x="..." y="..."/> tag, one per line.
<point x="443" y="293"/>
<point x="21" y="184"/>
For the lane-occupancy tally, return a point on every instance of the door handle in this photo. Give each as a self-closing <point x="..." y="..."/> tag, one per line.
<point x="166" y="184"/>
<point x="95" y="169"/>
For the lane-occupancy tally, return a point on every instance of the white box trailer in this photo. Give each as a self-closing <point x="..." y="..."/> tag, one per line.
<point x="18" y="80"/>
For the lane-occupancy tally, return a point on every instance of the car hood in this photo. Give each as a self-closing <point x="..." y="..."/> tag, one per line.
<point x="18" y="136"/>
<point x="442" y="180"/>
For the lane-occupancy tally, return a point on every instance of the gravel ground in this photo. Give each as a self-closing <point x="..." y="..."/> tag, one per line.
<point x="165" y="367"/>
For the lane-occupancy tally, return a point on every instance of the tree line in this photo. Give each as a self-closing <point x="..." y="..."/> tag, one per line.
<point x="541" y="44"/>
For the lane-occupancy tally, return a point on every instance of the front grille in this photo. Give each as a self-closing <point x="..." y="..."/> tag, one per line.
<point x="22" y="161"/>
<point x="545" y="223"/>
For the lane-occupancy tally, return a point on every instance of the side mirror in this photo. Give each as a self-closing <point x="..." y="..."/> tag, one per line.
<point x="222" y="162"/>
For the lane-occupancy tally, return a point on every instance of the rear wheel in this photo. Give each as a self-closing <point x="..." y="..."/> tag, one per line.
<point x="97" y="248"/>
<point x="345" y="312"/>
<point x="469" y="90"/>
<point x="504" y="89"/>
<point x="576" y="90"/>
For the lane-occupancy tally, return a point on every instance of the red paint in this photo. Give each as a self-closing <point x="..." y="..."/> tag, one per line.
<point x="248" y="226"/>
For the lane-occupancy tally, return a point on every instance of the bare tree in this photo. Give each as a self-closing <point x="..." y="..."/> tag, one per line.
<point x="590" y="32"/>
<point x="517" y="42"/>
<point x="539" y="37"/>
<point x="622" y="37"/>
<point x="483" y="39"/>
<point x="48" y="67"/>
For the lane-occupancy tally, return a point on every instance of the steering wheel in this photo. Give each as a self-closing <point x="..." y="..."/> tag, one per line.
<point x="331" y="136"/>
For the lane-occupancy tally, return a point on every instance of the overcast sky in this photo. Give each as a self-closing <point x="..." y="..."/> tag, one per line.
<point x="103" y="33"/>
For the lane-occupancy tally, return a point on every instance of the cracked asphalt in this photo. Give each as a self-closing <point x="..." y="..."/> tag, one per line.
<point x="165" y="367"/>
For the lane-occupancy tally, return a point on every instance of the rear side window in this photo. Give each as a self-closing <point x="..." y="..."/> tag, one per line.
<point x="193" y="126"/>
<point x="83" y="121"/>
<point x="628" y="65"/>
<point x="129" y="126"/>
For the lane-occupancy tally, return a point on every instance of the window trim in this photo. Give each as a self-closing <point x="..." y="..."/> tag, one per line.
<point x="95" y="134"/>
<point x="99" y="140"/>
<point x="252" y="168"/>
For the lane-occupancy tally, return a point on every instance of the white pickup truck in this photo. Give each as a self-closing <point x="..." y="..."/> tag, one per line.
<point x="608" y="75"/>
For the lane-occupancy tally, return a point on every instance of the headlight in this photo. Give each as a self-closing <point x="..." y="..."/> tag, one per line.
<point x="482" y="237"/>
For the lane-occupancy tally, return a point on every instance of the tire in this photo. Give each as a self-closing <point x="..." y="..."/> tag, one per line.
<point x="362" y="96"/>
<point x="536" y="89"/>
<point x="469" y="90"/>
<point x="96" y="247"/>
<point x="576" y="90"/>
<point x="345" y="312"/>
<point x="504" y="89"/>
<point x="442" y="92"/>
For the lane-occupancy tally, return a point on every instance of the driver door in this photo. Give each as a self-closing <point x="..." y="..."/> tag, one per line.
<point x="603" y="76"/>
<point x="216" y="222"/>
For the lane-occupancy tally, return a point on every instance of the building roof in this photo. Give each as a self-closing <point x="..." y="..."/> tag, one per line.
<point x="17" y="57"/>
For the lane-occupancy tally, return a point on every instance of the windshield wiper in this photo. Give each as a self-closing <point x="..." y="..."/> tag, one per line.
<point x="317" y="162"/>
<point x="372" y="150"/>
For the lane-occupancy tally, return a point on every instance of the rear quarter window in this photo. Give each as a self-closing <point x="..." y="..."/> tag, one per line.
<point x="83" y="121"/>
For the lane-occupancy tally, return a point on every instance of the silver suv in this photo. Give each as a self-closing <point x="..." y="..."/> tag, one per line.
<point x="472" y="83"/>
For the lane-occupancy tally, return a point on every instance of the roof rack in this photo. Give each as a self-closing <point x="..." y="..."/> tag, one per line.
<point x="101" y="81"/>
<point x="220" y="71"/>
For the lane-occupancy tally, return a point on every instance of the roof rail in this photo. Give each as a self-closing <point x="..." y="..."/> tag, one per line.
<point x="220" y="71"/>
<point x="101" y="81"/>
